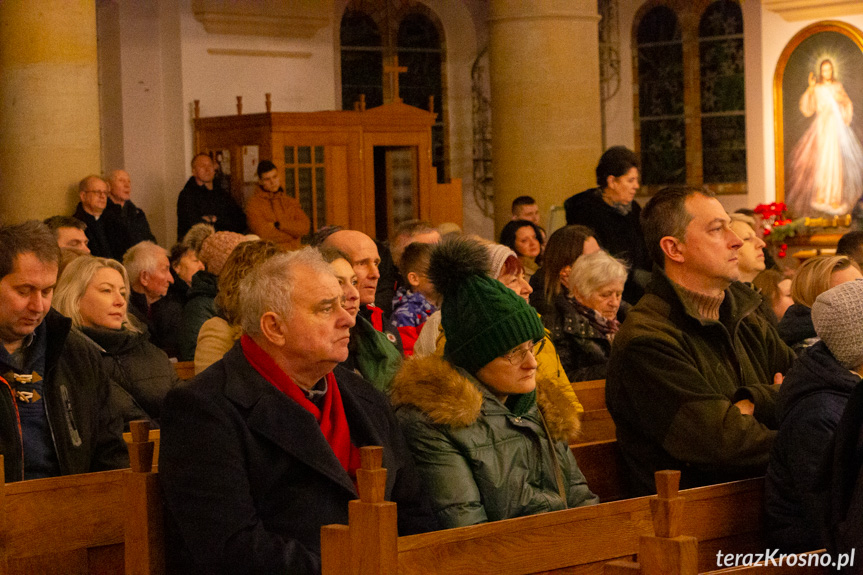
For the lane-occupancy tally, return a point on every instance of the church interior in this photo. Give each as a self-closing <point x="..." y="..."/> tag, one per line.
<point x="525" y="96"/>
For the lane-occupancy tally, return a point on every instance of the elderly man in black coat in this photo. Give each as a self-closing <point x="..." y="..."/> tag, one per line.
<point x="261" y="449"/>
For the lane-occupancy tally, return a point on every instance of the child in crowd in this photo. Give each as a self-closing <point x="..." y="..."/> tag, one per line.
<point x="414" y="302"/>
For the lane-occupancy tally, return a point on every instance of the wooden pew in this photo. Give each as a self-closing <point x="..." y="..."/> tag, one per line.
<point x="591" y="394"/>
<point x="670" y="550"/>
<point x="603" y="467"/>
<point x="596" y="422"/>
<point x="185" y="369"/>
<point x="575" y="541"/>
<point x="154" y="436"/>
<point x="70" y="525"/>
<point x="144" y="520"/>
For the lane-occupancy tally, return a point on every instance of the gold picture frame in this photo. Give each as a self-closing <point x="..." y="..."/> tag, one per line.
<point x="805" y="52"/>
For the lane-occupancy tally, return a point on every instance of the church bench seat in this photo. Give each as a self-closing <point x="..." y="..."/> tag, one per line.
<point x="69" y="525"/>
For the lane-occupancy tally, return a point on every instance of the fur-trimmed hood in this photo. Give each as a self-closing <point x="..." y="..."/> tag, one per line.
<point x="450" y="396"/>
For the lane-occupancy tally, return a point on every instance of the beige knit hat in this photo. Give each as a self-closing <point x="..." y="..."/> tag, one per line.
<point x="837" y="315"/>
<point x="497" y="255"/>
<point x="216" y="249"/>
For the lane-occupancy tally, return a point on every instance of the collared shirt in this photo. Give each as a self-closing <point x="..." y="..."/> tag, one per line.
<point x="317" y="392"/>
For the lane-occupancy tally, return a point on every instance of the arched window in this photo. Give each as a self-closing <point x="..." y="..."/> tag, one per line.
<point x="660" y="98"/>
<point x="723" y="109"/>
<point x="690" y="115"/>
<point x="374" y="30"/>
<point x="362" y="60"/>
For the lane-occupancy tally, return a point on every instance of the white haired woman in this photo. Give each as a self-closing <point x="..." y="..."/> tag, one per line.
<point x="587" y="318"/>
<point x="94" y="293"/>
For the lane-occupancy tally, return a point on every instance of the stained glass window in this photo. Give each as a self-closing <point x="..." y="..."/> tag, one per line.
<point x="362" y="60"/>
<point x="660" y="98"/>
<point x="374" y="29"/>
<point x="723" y="116"/>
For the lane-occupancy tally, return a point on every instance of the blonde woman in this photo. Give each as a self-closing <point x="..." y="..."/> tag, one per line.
<point x="814" y="277"/>
<point x="94" y="293"/>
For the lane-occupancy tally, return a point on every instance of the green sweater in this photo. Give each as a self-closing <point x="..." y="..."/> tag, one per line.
<point x="673" y="379"/>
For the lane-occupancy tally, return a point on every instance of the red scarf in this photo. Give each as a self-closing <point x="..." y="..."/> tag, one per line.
<point x="332" y="419"/>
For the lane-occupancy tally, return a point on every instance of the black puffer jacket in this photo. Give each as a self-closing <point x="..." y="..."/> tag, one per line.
<point x="810" y="404"/>
<point x="140" y="369"/>
<point x="87" y="429"/>
<point x="582" y="349"/>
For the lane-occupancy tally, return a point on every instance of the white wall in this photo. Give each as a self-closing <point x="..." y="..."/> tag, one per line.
<point x="155" y="61"/>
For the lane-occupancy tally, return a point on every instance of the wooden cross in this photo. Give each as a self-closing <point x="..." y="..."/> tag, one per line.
<point x="394" y="70"/>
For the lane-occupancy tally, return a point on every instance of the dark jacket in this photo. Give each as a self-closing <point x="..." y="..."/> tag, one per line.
<point x="810" y="404"/>
<point x="199" y="307"/>
<point x="142" y="371"/>
<point x="107" y="238"/>
<point x="673" y="379"/>
<point x="582" y="349"/>
<point x="87" y="430"/>
<point x="195" y="202"/>
<point x="838" y="492"/>
<point x="167" y="317"/>
<point x="132" y="220"/>
<point x="796" y="328"/>
<point x="618" y="234"/>
<point x="249" y="478"/>
<point x="479" y="461"/>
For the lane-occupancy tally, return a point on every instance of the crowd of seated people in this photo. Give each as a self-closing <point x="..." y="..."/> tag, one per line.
<point x="465" y="375"/>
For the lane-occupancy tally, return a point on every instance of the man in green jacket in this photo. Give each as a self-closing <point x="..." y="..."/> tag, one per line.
<point x="692" y="371"/>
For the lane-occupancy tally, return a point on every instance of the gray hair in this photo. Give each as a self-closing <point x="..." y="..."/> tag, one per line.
<point x="270" y="286"/>
<point x="591" y="272"/>
<point x="142" y="257"/>
<point x="73" y="283"/>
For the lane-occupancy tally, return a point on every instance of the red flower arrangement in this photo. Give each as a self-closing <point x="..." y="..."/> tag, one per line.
<point x="773" y="216"/>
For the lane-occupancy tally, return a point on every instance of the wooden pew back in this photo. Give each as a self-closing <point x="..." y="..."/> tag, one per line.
<point x="596" y="422"/>
<point x="574" y="541"/>
<point x="602" y="465"/>
<point x="154" y="436"/>
<point x="144" y="521"/>
<point x="70" y="525"/>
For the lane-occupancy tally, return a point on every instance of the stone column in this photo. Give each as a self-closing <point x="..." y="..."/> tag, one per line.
<point x="49" y="105"/>
<point x="545" y="99"/>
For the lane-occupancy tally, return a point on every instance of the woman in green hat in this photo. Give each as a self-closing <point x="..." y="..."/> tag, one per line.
<point x="489" y="443"/>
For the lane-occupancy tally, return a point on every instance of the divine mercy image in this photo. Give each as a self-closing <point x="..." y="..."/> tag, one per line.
<point x="826" y="167"/>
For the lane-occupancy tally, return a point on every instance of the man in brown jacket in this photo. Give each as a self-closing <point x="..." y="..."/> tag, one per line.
<point x="274" y="215"/>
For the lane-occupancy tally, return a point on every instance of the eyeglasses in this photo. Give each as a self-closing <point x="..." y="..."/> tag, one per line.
<point x="98" y="193"/>
<point x="517" y="356"/>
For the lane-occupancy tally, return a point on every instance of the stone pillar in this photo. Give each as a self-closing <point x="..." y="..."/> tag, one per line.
<point x="49" y="105"/>
<point x="545" y="100"/>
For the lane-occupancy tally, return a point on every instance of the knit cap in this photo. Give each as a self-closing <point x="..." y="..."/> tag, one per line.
<point x="498" y="254"/>
<point x="216" y="249"/>
<point x="482" y="318"/>
<point x="837" y="315"/>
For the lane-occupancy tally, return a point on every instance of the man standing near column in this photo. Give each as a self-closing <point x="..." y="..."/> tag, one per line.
<point x="121" y="209"/>
<point x="107" y="239"/>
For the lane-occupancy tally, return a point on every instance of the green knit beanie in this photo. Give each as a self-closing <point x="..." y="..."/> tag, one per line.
<point x="482" y="318"/>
